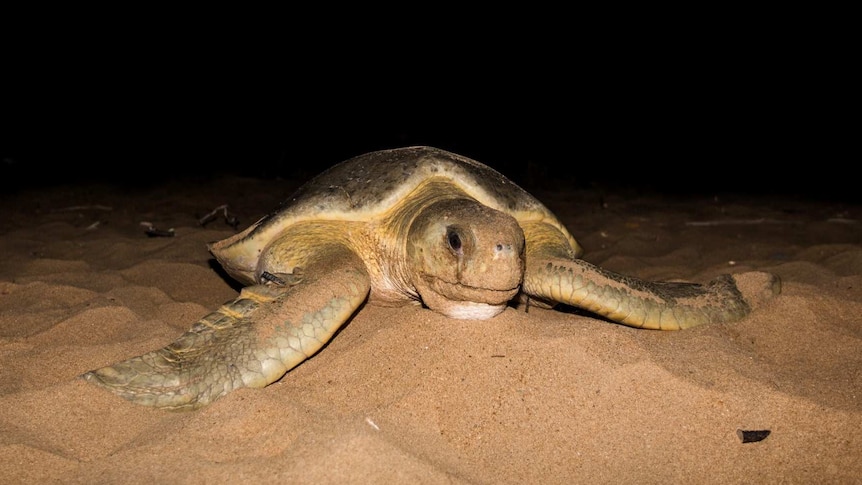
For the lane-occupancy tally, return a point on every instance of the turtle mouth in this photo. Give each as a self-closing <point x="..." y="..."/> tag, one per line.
<point x="462" y="292"/>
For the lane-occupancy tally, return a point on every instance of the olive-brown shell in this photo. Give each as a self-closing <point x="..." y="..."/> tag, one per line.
<point x="364" y="187"/>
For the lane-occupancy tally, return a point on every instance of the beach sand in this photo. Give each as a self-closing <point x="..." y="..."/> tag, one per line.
<point x="404" y="395"/>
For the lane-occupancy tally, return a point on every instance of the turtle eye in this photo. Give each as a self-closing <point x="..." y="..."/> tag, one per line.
<point x="454" y="240"/>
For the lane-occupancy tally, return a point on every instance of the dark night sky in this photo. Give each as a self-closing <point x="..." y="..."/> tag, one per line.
<point x="685" y="136"/>
<point x="749" y="105"/>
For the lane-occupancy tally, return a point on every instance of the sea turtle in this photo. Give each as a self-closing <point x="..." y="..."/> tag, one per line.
<point x="414" y="225"/>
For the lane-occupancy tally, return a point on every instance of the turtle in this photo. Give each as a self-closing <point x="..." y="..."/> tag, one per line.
<point x="412" y="225"/>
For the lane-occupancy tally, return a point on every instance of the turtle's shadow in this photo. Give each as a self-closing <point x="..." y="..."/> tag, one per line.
<point x="219" y="270"/>
<point x="570" y="310"/>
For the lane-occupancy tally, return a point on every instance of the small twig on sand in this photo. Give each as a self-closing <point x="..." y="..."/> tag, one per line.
<point x="151" y="231"/>
<point x="74" y="208"/>
<point x="229" y="218"/>
<point x="739" y="222"/>
<point x="842" y="220"/>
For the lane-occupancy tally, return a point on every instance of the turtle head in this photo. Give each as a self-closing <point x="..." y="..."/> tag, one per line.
<point x="466" y="260"/>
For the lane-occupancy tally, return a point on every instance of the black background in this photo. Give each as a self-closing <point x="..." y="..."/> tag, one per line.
<point x="741" y="119"/>
<point x="676" y="146"/>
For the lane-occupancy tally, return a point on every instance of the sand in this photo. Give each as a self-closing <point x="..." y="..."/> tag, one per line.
<point x="403" y="395"/>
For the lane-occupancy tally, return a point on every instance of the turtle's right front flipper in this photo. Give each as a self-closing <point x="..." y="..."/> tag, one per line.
<point x="249" y="342"/>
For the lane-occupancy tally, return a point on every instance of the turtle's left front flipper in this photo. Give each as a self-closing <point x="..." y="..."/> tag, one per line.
<point x="555" y="275"/>
<point x="249" y="342"/>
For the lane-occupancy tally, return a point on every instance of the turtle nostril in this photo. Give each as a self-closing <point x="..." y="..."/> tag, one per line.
<point x="503" y="248"/>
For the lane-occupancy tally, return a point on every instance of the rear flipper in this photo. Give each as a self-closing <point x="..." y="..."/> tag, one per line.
<point x="249" y="342"/>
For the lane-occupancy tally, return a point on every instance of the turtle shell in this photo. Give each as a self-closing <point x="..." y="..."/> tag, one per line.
<point x="364" y="187"/>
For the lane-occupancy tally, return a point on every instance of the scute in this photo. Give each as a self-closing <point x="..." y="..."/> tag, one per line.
<point x="363" y="187"/>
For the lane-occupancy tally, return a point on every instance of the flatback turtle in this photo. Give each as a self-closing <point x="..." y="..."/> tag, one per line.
<point x="415" y="225"/>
